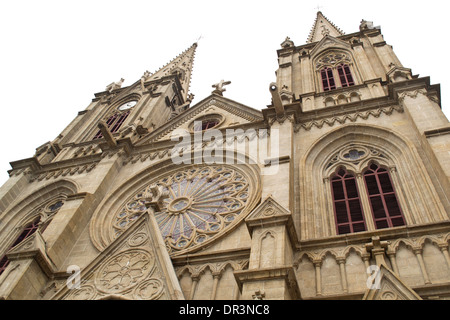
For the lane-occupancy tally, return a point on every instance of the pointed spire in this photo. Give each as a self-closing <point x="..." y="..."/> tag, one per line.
<point x="323" y="27"/>
<point x="182" y="64"/>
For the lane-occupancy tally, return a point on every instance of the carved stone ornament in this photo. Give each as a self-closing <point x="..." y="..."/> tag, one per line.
<point x="190" y="205"/>
<point x="124" y="271"/>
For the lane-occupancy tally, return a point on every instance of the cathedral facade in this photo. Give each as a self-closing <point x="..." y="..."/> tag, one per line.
<point x="339" y="189"/>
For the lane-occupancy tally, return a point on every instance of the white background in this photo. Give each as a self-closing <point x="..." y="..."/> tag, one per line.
<point x="54" y="55"/>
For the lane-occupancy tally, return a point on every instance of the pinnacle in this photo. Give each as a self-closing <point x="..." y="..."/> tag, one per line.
<point x="181" y="64"/>
<point x="323" y="27"/>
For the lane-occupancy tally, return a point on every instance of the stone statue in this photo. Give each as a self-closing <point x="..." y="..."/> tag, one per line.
<point x="365" y="25"/>
<point x="144" y="78"/>
<point x="115" y="85"/>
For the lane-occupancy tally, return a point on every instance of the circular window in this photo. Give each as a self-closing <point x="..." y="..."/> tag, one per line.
<point x="202" y="202"/>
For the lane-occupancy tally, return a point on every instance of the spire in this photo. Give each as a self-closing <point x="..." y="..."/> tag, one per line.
<point x="181" y="65"/>
<point x="323" y="27"/>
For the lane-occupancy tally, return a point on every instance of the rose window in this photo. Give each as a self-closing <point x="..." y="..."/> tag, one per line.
<point x="201" y="202"/>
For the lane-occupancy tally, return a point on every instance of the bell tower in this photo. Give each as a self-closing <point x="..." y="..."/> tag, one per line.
<point x="334" y="68"/>
<point x="121" y="112"/>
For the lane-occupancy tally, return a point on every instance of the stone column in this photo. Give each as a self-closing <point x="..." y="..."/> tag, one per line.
<point x="216" y="277"/>
<point x="418" y="253"/>
<point x="195" y="280"/>
<point x="444" y="249"/>
<point x="344" y="283"/>
<point x="317" y="268"/>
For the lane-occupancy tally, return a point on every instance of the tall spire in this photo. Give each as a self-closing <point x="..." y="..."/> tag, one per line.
<point x="181" y="65"/>
<point x="323" y="27"/>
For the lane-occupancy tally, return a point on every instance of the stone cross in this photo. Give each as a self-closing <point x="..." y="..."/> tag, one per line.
<point x="378" y="248"/>
<point x="220" y="86"/>
<point x="259" y="295"/>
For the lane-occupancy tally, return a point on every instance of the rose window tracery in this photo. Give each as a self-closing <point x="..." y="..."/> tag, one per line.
<point x="201" y="202"/>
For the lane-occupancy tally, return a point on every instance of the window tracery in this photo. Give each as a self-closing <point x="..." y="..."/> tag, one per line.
<point x="202" y="202"/>
<point x="335" y="65"/>
<point x="375" y="182"/>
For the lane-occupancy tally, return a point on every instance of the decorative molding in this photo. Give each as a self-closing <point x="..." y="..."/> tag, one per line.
<point x="411" y="94"/>
<point x="353" y="117"/>
<point x="77" y="169"/>
<point x="134" y="266"/>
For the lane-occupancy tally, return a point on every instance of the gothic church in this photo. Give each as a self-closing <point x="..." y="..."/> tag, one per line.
<point x="339" y="189"/>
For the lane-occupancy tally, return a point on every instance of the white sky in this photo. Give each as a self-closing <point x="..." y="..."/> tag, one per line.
<point x="54" y="55"/>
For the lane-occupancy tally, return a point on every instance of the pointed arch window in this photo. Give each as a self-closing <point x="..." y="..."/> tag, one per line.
<point x="345" y="75"/>
<point x="114" y="123"/>
<point x="328" y="82"/>
<point x="27" y="232"/>
<point x="383" y="200"/>
<point x="347" y="204"/>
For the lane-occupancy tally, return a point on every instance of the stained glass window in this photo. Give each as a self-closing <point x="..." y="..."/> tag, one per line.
<point x="383" y="200"/>
<point x="345" y="75"/>
<point x="347" y="205"/>
<point x="202" y="202"/>
<point x="328" y="82"/>
<point x="114" y="123"/>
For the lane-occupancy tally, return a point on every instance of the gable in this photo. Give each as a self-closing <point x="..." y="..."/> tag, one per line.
<point x="388" y="286"/>
<point x="226" y="112"/>
<point x="327" y="43"/>
<point x="135" y="266"/>
<point x="323" y="27"/>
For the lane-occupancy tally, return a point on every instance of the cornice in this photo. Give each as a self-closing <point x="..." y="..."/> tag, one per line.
<point x="359" y="238"/>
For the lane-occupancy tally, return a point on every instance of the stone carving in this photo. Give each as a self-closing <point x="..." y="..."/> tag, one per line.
<point x="220" y="86"/>
<point x="87" y="292"/>
<point x="365" y="25"/>
<point x="124" y="271"/>
<point x="259" y="295"/>
<point x="114" y="85"/>
<point x="144" y="78"/>
<point x="150" y="289"/>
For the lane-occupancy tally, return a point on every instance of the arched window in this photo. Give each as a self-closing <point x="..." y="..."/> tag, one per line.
<point x="27" y="231"/>
<point x="383" y="200"/>
<point x="114" y="122"/>
<point x="345" y="75"/>
<point x="328" y="82"/>
<point x="205" y="125"/>
<point x="347" y="205"/>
